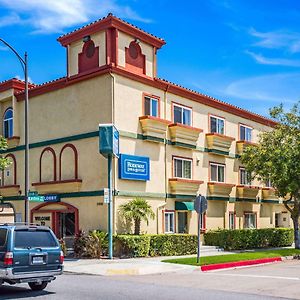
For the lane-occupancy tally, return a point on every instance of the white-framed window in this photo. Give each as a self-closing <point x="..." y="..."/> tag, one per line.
<point x="151" y="106"/>
<point x="249" y="220"/>
<point x="182" y="167"/>
<point x="217" y="172"/>
<point x="169" y="222"/>
<point x="231" y="220"/>
<point x="182" y="114"/>
<point x="217" y="125"/>
<point x="245" y="177"/>
<point x="245" y="133"/>
<point x="268" y="183"/>
<point x="8" y="123"/>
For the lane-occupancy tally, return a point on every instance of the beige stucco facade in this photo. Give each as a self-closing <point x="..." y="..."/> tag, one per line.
<point x="64" y="143"/>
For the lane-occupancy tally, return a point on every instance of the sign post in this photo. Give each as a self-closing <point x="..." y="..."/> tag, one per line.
<point x="200" y="206"/>
<point x="109" y="148"/>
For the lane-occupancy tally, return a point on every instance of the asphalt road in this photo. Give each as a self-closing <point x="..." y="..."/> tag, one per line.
<point x="273" y="281"/>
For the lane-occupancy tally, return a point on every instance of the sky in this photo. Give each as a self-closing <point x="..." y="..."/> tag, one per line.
<point x="246" y="53"/>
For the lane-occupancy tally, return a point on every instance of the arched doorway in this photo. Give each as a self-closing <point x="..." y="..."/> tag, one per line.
<point x="60" y="216"/>
<point x="7" y="213"/>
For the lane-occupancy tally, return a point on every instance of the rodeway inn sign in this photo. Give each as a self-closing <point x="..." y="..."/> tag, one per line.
<point x="134" y="167"/>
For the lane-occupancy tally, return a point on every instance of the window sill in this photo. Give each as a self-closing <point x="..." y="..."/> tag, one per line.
<point x="10" y="190"/>
<point x="241" y="145"/>
<point x="219" y="142"/>
<point x="220" y="188"/>
<point x="184" y="186"/>
<point x="62" y="186"/>
<point x="184" y="134"/>
<point x="269" y="193"/>
<point x="247" y="191"/>
<point x="154" y="127"/>
<point x="13" y="141"/>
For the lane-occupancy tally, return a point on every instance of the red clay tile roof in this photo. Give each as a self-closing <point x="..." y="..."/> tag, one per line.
<point x="110" y="21"/>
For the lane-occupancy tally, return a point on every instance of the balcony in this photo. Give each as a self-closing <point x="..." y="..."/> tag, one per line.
<point x="10" y="190"/>
<point x="240" y="146"/>
<point x="13" y="141"/>
<point x="184" y="186"/>
<point x="183" y="135"/>
<point x="247" y="191"/>
<point x="154" y="129"/>
<point x="63" y="186"/>
<point x="269" y="193"/>
<point x="219" y="143"/>
<point x="219" y="189"/>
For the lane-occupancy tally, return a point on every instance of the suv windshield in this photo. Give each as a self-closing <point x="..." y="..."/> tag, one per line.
<point x="32" y="239"/>
<point x="3" y="235"/>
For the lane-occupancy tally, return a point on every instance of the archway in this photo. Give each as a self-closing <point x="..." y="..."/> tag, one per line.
<point x="7" y="213"/>
<point x="61" y="217"/>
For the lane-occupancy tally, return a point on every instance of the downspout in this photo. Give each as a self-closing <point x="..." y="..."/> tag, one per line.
<point x="165" y="158"/>
<point x="114" y="161"/>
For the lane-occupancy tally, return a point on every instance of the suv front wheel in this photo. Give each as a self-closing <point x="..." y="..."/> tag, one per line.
<point x="38" y="286"/>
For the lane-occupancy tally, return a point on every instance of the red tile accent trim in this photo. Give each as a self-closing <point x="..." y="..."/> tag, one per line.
<point x="186" y="180"/>
<point x="221" y="135"/>
<point x="54" y="162"/>
<point x="155" y="119"/>
<point x="240" y="264"/>
<point x="221" y="184"/>
<point x="86" y="63"/>
<point x="15" y="169"/>
<point x="56" y="182"/>
<point x="111" y="22"/>
<point x="75" y="160"/>
<point x="158" y="83"/>
<point x="186" y="126"/>
<point x="248" y="186"/>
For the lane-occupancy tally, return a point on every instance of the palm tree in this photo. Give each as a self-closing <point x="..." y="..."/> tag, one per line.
<point x="137" y="210"/>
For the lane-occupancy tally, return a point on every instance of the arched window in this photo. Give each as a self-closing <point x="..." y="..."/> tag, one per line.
<point x="8" y="123"/>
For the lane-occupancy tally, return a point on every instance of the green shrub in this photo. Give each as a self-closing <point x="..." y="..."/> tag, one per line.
<point x="91" y="245"/>
<point x="249" y="238"/>
<point x="173" y="244"/>
<point x="132" y="245"/>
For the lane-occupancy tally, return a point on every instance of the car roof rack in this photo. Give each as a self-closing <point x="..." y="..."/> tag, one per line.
<point x="18" y="223"/>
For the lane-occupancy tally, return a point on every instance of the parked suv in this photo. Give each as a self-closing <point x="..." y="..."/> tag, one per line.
<point x="29" y="253"/>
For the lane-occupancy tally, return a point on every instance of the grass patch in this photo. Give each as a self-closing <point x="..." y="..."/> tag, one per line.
<point x="208" y="260"/>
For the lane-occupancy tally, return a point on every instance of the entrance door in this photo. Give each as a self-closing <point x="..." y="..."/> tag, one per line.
<point x="182" y="222"/>
<point x="67" y="227"/>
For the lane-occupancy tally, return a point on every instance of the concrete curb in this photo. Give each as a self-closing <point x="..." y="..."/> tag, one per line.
<point x="240" y="264"/>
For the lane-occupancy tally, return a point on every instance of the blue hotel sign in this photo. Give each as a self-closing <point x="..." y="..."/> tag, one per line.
<point x="134" y="167"/>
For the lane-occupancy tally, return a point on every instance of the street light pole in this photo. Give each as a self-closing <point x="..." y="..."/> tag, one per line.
<point x="24" y="63"/>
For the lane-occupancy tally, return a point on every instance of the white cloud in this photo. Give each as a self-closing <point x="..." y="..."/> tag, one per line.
<point x="274" y="88"/>
<point x="52" y="16"/>
<point x="277" y="40"/>
<point x="273" y="61"/>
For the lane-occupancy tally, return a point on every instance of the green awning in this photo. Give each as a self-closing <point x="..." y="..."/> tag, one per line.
<point x="184" y="205"/>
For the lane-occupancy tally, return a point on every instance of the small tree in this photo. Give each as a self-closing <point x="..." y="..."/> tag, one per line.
<point x="277" y="158"/>
<point x="4" y="161"/>
<point x="137" y="210"/>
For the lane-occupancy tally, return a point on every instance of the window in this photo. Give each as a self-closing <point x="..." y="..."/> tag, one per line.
<point x="169" y="222"/>
<point x="182" y="115"/>
<point x="217" y="172"/>
<point x="8" y="123"/>
<point x="231" y="220"/>
<point x="250" y="220"/>
<point x="182" y="168"/>
<point x="217" y="125"/>
<point x="245" y="133"/>
<point x="182" y="222"/>
<point x="32" y="239"/>
<point x="151" y="106"/>
<point x="245" y="177"/>
<point x="268" y="183"/>
<point x="3" y="236"/>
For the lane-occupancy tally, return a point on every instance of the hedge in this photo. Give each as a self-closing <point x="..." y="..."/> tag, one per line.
<point x="249" y="238"/>
<point x="95" y="244"/>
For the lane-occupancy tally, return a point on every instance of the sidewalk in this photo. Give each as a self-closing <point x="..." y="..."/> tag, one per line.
<point x="134" y="266"/>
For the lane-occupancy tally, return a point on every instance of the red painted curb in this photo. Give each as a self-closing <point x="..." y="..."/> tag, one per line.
<point x="240" y="263"/>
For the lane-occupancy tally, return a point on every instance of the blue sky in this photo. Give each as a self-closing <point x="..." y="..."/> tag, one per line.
<point x="243" y="52"/>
